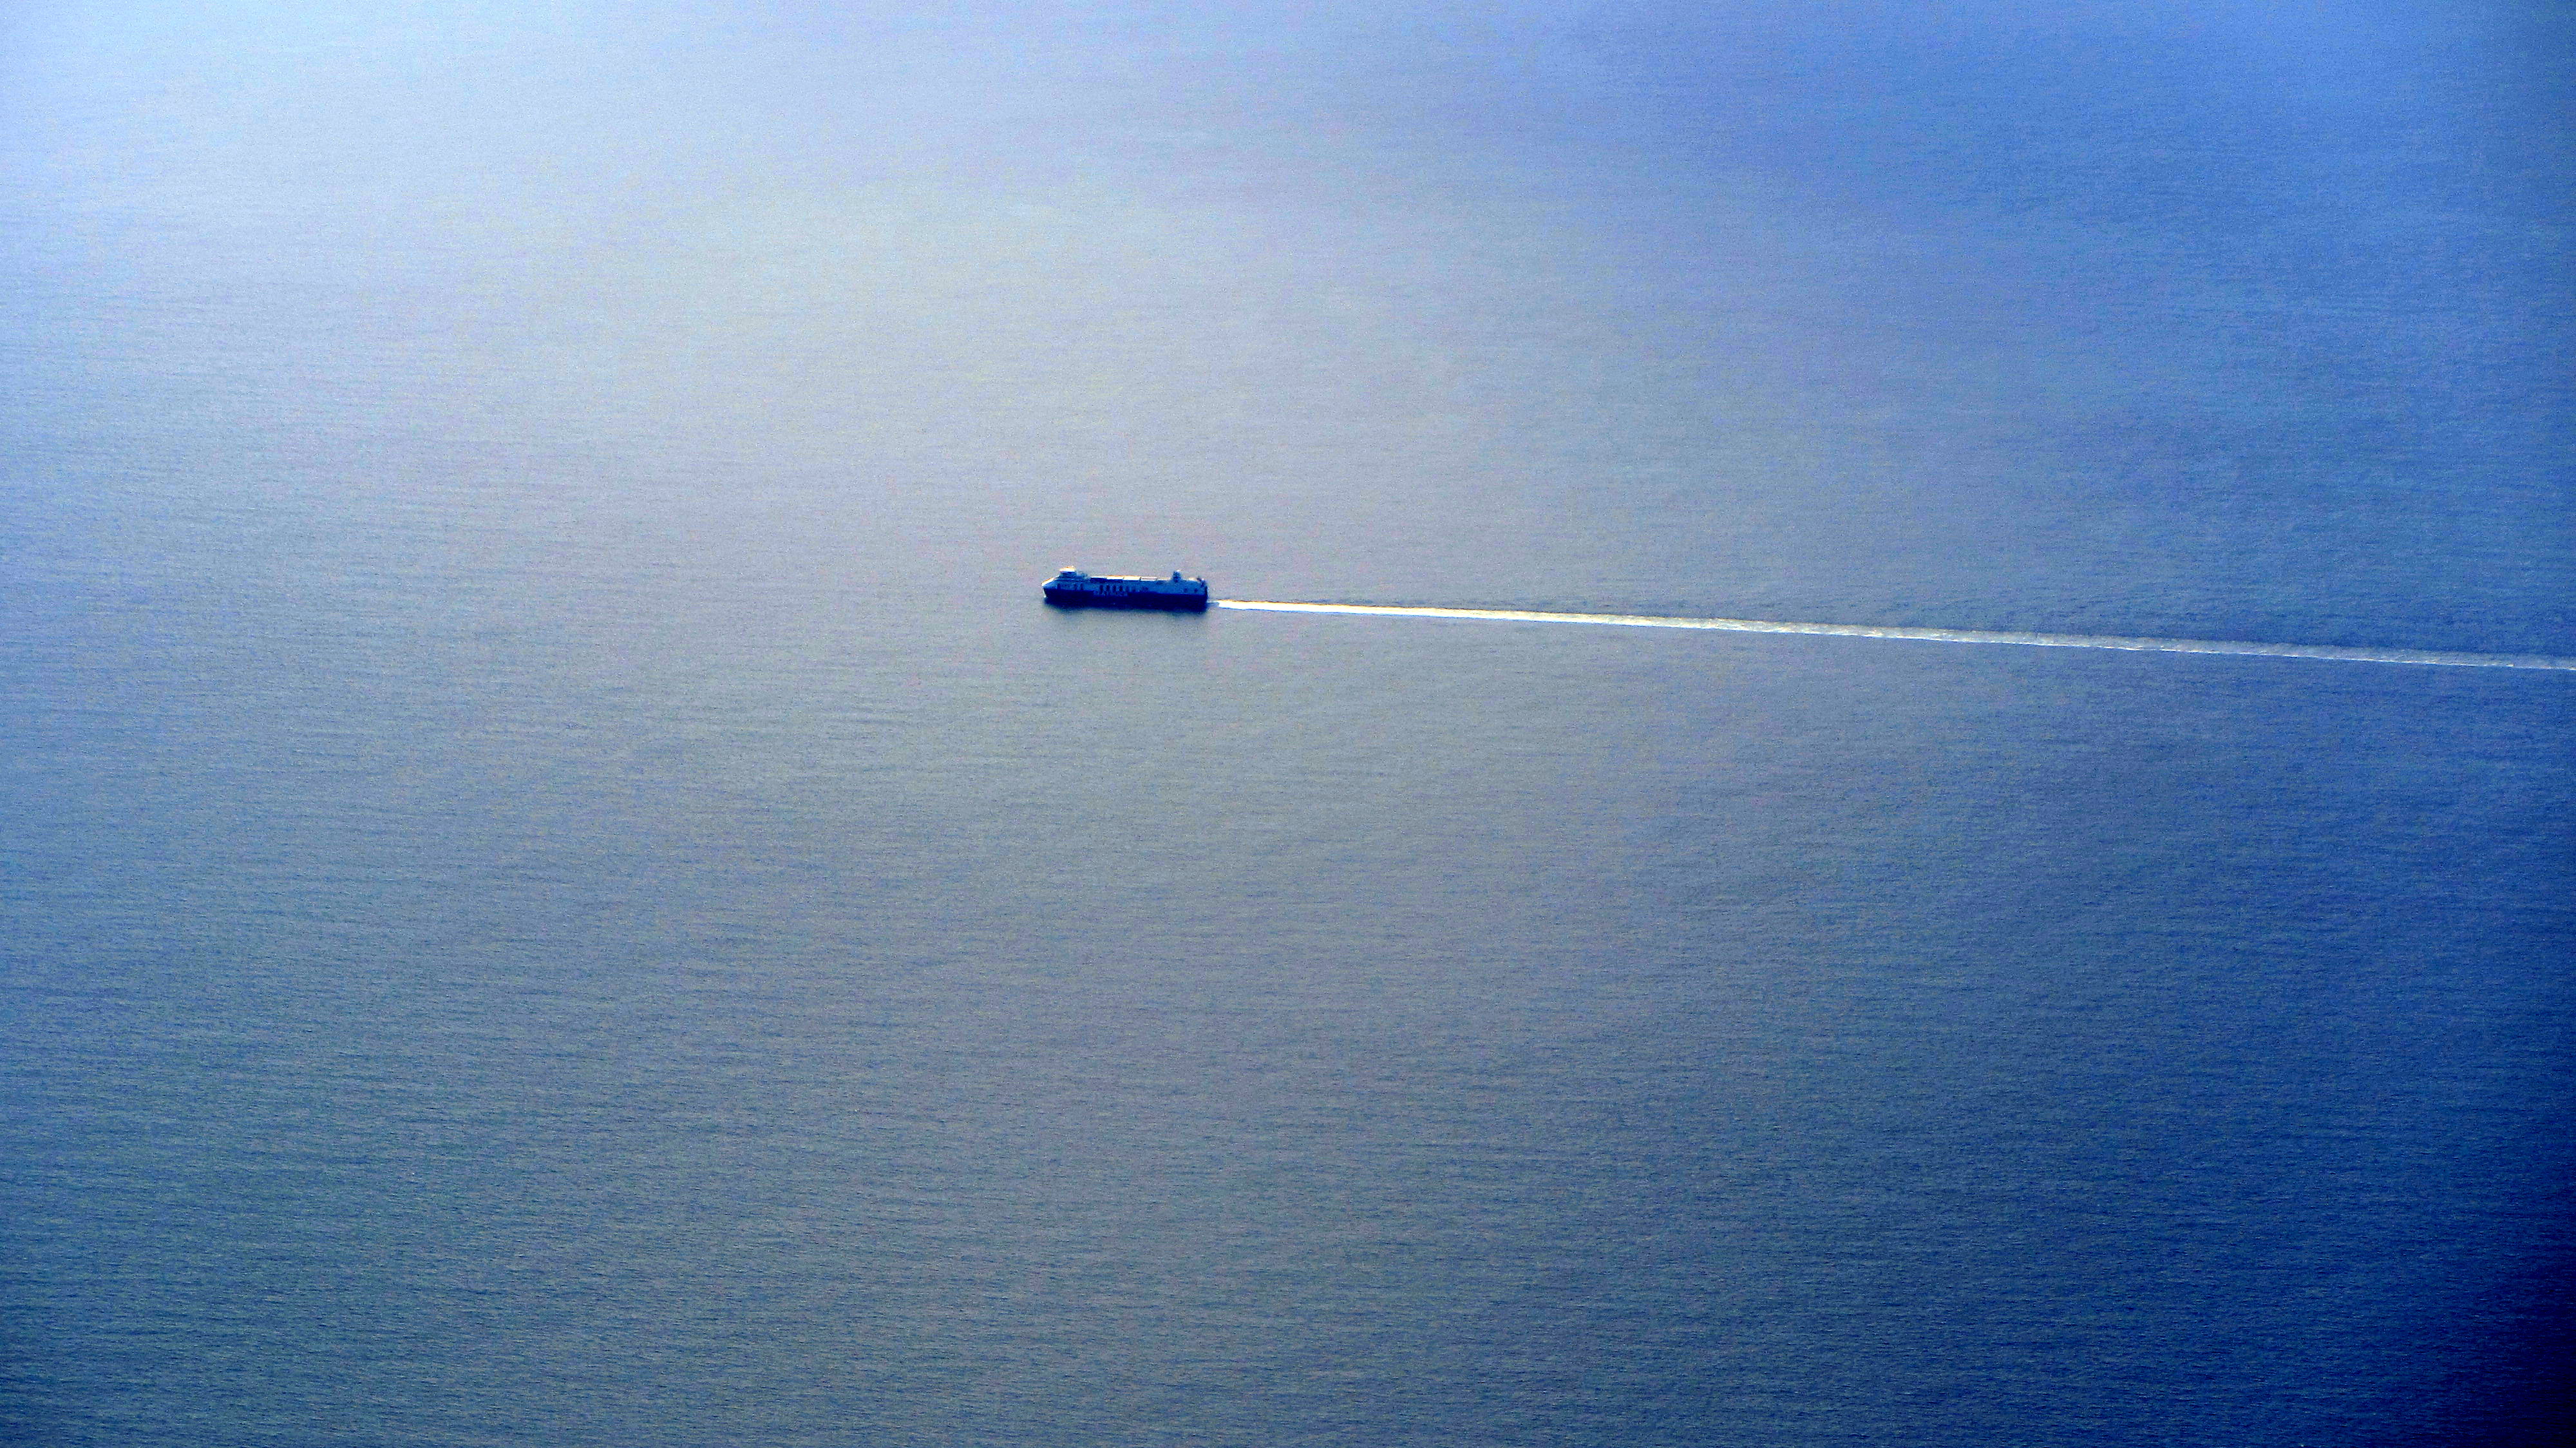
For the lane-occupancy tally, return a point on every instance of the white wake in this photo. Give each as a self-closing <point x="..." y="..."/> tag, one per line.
<point x="1940" y="635"/>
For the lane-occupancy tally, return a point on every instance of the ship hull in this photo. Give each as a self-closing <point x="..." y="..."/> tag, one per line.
<point x="1160" y="603"/>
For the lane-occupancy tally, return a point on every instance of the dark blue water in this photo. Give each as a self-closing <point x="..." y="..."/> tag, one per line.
<point x="559" y="886"/>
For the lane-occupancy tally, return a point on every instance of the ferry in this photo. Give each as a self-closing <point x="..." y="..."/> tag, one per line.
<point x="1074" y="588"/>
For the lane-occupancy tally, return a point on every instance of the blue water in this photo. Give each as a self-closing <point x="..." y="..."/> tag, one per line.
<point x="559" y="886"/>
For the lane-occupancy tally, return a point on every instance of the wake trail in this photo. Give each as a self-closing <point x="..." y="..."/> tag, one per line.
<point x="1938" y="635"/>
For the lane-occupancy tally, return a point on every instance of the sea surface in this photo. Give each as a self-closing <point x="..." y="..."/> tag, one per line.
<point x="558" y="885"/>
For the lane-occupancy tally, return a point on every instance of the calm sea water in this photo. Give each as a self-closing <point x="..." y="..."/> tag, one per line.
<point x="561" y="888"/>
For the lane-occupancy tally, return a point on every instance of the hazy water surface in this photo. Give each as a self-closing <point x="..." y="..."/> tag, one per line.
<point x="560" y="887"/>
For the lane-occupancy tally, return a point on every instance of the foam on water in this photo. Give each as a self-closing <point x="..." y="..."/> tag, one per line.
<point x="1940" y="635"/>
